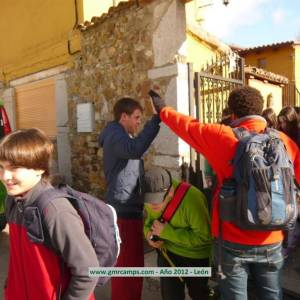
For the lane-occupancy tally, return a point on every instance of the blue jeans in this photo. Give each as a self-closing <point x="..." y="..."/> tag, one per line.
<point x="262" y="263"/>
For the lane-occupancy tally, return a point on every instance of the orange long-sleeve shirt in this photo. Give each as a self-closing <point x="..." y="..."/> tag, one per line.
<point x="218" y="144"/>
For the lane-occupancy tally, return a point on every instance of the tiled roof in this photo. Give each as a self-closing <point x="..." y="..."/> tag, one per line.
<point x="263" y="47"/>
<point x="112" y="10"/>
<point x="261" y="73"/>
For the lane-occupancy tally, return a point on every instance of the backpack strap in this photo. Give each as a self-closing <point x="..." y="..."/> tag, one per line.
<point x="172" y="206"/>
<point x="241" y="133"/>
<point x="274" y="135"/>
<point x="9" y="204"/>
<point x="169" y="212"/>
<point x="243" y="136"/>
<point x="272" y="132"/>
<point x="35" y="228"/>
<point x="47" y="196"/>
<point x="53" y="193"/>
<point x="34" y="216"/>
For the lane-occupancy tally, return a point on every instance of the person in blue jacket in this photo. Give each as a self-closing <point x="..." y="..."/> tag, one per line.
<point x="124" y="172"/>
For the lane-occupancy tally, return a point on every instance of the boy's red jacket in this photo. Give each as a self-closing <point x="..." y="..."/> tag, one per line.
<point x="35" y="271"/>
<point x="218" y="144"/>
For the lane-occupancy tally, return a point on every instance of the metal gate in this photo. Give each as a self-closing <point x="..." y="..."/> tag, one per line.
<point x="209" y="91"/>
<point x="291" y="95"/>
<point x="214" y="83"/>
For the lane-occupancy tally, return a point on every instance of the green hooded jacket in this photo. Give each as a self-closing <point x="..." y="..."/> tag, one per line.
<point x="188" y="232"/>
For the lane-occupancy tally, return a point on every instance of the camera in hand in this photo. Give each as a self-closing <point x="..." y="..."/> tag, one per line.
<point x="154" y="238"/>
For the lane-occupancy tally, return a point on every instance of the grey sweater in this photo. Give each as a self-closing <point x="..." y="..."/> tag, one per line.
<point x="40" y="265"/>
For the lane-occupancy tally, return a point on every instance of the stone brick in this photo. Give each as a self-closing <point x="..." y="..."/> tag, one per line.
<point x="115" y="58"/>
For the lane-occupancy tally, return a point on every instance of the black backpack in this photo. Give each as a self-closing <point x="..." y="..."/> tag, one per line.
<point x="99" y="220"/>
<point x="262" y="193"/>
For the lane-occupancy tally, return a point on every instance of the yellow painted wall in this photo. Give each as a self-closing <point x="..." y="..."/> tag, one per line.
<point x="267" y="88"/>
<point x="198" y="52"/>
<point x="279" y="61"/>
<point x="34" y="35"/>
<point x="297" y="66"/>
<point x="196" y="11"/>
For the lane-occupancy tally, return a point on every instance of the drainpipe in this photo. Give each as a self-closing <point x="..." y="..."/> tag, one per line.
<point x="74" y="28"/>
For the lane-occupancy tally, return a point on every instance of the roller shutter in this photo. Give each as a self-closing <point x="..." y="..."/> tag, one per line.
<point x="35" y="106"/>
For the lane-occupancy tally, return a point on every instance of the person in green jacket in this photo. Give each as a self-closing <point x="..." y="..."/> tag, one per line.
<point x="185" y="241"/>
<point x="3" y="195"/>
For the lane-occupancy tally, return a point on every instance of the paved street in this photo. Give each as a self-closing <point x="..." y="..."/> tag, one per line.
<point x="291" y="275"/>
<point x="151" y="285"/>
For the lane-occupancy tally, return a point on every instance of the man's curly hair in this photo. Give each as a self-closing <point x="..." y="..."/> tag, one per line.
<point x="245" y="101"/>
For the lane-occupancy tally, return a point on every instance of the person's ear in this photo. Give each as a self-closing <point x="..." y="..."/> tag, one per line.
<point x="123" y="116"/>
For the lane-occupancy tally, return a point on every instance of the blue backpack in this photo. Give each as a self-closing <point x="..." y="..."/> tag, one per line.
<point x="262" y="193"/>
<point x="99" y="220"/>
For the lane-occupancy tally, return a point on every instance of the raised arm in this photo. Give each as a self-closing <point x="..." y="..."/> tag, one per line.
<point x="133" y="148"/>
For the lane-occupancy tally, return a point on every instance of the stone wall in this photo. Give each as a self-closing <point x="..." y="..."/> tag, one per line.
<point x="120" y="51"/>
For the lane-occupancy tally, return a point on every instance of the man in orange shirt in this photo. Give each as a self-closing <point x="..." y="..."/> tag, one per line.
<point x="244" y="252"/>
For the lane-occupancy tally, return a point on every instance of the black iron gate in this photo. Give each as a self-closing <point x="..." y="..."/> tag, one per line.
<point x="208" y="93"/>
<point x="214" y="83"/>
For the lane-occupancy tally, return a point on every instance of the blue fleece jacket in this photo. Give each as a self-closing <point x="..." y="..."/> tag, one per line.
<point x="123" y="166"/>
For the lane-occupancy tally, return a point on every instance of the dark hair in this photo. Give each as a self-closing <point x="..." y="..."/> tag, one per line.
<point x="297" y="109"/>
<point x="28" y="148"/>
<point x="127" y="106"/>
<point x="226" y="116"/>
<point x="245" y="101"/>
<point x="289" y="115"/>
<point x="270" y="116"/>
